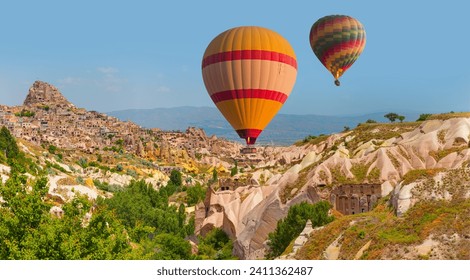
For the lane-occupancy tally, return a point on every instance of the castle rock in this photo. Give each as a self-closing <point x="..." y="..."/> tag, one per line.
<point x="44" y="94"/>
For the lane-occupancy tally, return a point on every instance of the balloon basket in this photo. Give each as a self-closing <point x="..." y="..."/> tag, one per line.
<point x="248" y="150"/>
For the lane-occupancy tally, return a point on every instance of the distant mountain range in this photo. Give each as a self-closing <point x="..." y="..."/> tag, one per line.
<point x="284" y="129"/>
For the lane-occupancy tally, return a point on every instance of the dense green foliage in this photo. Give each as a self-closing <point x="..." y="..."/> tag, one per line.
<point x="216" y="245"/>
<point x="11" y="154"/>
<point x="195" y="194"/>
<point x="290" y="227"/>
<point x="144" y="210"/>
<point x="165" y="246"/>
<point x="29" y="231"/>
<point x="175" y="177"/>
<point x="137" y="222"/>
<point x="8" y="145"/>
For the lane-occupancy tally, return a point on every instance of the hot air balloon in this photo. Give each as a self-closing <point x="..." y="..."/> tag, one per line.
<point x="249" y="72"/>
<point x="337" y="41"/>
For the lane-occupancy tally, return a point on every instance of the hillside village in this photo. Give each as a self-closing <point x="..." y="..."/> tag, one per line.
<point x="47" y="118"/>
<point x="375" y="177"/>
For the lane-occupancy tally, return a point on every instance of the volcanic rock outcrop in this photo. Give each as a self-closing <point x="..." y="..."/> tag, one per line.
<point x="309" y="172"/>
<point x="42" y="93"/>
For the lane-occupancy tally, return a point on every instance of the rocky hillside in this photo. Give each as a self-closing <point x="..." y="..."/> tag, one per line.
<point x="87" y="151"/>
<point x="415" y="164"/>
<point x="44" y="94"/>
<point x="47" y="119"/>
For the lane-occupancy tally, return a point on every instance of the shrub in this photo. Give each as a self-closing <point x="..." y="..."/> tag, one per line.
<point x="83" y="162"/>
<point x="423" y="117"/>
<point x="52" y="149"/>
<point x="119" y="167"/>
<point x="25" y="113"/>
<point x="175" y="177"/>
<point x="80" y="180"/>
<point x="290" y="227"/>
<point x="132" y="173"/>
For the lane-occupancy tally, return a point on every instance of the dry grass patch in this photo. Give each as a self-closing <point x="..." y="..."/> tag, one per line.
<point x="379" y="131"/>
<point x="67" y="181"/>
<point x="420" y="174"/>
<point x="319" y="240"/>
<point x="440" y="154"/>
<point x="447" y="116"/>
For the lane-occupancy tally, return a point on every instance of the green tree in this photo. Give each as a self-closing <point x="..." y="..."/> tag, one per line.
<point x="22" y="205"/>
<point x="214" y="175"/>
<point x="139" y="205"/>
<point x="290" y="227"/>
<point x="52" y="149"/>
<point x="29" y="231"/>
<point x="11" y="154"/>
<point x="167" y="247"/>
<point x="391" y="116"/>
<point x="423" y="117"/>
<point x="401" y="118"/>
<point x="195" y="194"/>
<point x="104" y="238"/>
<point x="371" y="121"/>
<point x="181" y="215"/>
<point x="216" y="245"/>
<point x="234" y="170"/>
<point x="175" y="177"/>
<point x="8" y="145"/>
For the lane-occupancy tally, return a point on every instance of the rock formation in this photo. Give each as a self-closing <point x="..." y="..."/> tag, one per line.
<point x="41" y="93"/>
<point x="308" y="173"/>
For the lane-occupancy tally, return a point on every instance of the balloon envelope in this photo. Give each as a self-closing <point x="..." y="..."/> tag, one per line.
<point x="249" y="73"/>
<point x="337" y="41"/>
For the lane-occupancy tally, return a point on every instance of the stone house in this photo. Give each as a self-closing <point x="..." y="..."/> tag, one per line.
<point x="355" y="198"/>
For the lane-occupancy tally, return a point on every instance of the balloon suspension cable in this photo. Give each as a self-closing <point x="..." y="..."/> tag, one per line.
<point x="337" y="83"/>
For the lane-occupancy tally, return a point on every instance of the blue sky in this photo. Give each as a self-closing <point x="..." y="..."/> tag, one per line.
<point x="113" y="55"/>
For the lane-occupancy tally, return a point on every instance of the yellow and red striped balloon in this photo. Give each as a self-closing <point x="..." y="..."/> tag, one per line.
<point x="249" y="73"/>
<point x="337" y="41"/>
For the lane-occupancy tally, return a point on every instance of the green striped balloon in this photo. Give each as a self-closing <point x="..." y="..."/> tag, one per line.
<point x="337" y="41"/>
